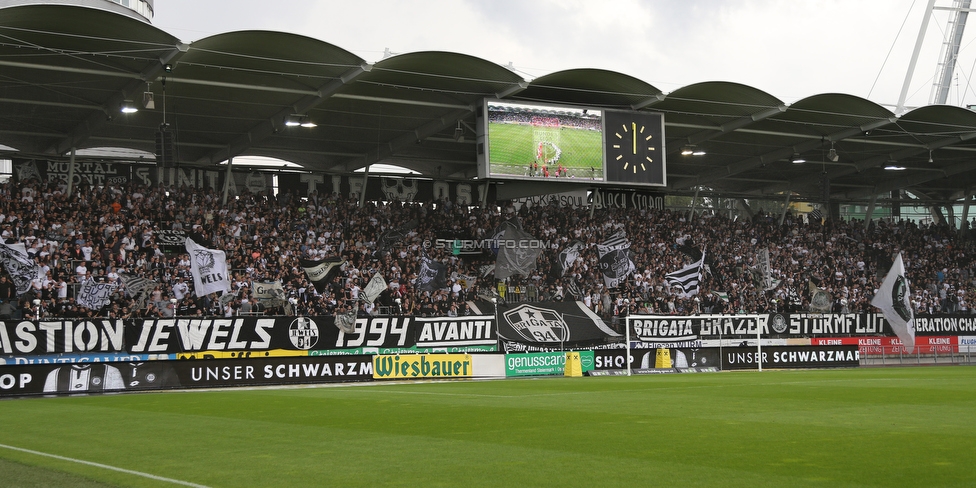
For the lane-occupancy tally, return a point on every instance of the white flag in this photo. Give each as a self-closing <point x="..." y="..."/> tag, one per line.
<point x="894" y="301"/>
<point x="94" y="295"/>
<point x="373" y="289"/>
<point x="209" y="269"/>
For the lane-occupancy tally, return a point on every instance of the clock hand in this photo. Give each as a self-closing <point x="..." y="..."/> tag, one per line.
<point x="633" y="126"/>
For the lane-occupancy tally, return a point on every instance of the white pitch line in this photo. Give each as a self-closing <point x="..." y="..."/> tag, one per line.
<point x="105" y="466"/>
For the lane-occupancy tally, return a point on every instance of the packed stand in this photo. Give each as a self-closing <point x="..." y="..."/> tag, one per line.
<point x="102" y="233"/>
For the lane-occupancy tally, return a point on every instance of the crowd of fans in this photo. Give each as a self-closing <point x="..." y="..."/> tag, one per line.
<point x="104" y="233"/>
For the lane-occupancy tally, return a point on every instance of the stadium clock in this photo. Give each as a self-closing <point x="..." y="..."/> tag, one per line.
<point x="634" y="147"/>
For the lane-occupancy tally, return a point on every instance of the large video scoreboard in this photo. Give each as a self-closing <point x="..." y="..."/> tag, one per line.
<point x="526" y="141"/>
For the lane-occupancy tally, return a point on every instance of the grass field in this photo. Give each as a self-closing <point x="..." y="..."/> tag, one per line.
<point x="883" y="427"/>
<point x="513" y="147"/>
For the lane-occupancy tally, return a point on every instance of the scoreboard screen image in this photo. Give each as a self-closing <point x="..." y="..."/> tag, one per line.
<point x="573" y="144"/>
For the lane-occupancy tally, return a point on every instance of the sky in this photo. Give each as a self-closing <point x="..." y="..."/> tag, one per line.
<point x="792" y="49"/>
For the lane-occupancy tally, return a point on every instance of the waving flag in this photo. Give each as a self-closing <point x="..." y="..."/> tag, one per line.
<point x="517" y="253"/>
<point x="209" y="269"/>
<point x="569" y="255"/>
<point x="615" y="259"/>
<point x="687" y="278"/>
<point x="432" y="275"/>
<point x="137" y="288"/>
<point x="373" y="288"/>
<point x="94" y="295"/>
<point x="893" y="300"/>
<point x="323" y="271"/>
<point x="21" y="268"/>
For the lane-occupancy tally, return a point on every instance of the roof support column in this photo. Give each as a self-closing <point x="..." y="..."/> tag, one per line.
<point x="895" y="204"/>
<point x="964" y="223"/>
<point x="71" y="172"/>
<point x="362" y="193"/>
<point x="786" y="208"/>
<point x="870" y="212"/>
<point x="227" y="179"/>
<point x="937" y="216"/>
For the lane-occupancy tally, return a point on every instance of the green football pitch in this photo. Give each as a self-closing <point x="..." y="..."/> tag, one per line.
<point x="512" y="148"/>
<point x="881" y="427"/>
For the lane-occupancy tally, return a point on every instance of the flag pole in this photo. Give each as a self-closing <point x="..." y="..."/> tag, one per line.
<point x="759" y="345"/>
<point x="627" y="356"/>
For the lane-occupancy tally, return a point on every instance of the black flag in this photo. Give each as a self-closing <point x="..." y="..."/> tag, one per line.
<point x="322" y="272"/>
<point x="432" y="276"/>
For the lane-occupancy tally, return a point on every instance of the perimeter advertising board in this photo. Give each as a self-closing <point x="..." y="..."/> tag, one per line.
<point x="416" y="366"/>
<point x="791" y="357"/>
<point x="645" y="358"/>
<point x="543" y="363"/>
<point x="893" y="345"/>
<point x="85" y="378"/>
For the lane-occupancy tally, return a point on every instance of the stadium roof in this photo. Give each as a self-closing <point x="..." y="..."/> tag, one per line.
<point x="66" y="70"/>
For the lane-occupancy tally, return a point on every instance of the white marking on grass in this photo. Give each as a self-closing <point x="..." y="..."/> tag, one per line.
<point x="104" y="466"/>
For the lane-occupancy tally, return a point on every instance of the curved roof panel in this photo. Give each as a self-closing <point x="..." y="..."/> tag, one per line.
<point x="67" y="70"/>
<point x="591" y="87"/>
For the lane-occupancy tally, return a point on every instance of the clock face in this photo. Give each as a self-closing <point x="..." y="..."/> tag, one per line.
<point x="635" y="147"/>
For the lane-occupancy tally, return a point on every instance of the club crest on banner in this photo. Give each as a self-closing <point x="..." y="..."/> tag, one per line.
<point x="778" y="323"/>
<point x="304" y="333"/>
<point x="538" y="324"/>
<point x="205" y="260"/>
<point x="899" y="299"/>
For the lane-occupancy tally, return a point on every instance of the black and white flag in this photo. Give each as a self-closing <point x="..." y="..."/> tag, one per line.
<point x="688" y="278"/>
<point x="209" y="269"/>
<point x="432" y="276"/>
<point x="137" y="288"/>
<point x="374" y="287"/>
<point x="766" y="270"/>
<point x="346" y="321"/>
<point x="517" y="253"/>
<point x="820" y="299"/>
<point x="615" y="260"/>
<point x="270" y="294"/>
<point x="19" y="265"/>
<point x="894" y="300"/>
<point x="815" y="216"/>
<point x="391" y="237"/>
<point x="94" y="295"/>
<point x="569" y="255"/>
<point x="573" y="289"/>
<point x="323" y="271"/>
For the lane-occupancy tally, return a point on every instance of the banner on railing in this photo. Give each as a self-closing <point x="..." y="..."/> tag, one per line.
<point x="552" y="324"/>
<point x="669" y="328"/>
<point x="317" y="335"/>
<point x="523" y="327"/>
<point x="30" y="338"/>
<point x="686" y="329"/>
